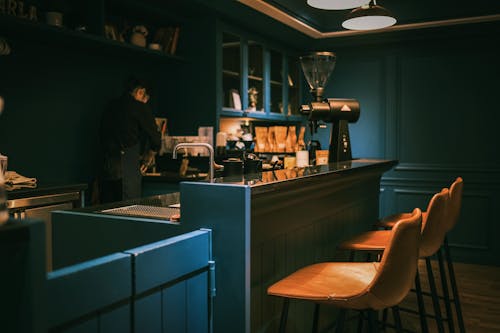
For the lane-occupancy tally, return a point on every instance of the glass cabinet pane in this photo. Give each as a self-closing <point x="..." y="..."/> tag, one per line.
<point x="276" y="82"/>
<point x="293" y="83"/>
<point x="255" y="77"/>
<point x="231" y="76"/>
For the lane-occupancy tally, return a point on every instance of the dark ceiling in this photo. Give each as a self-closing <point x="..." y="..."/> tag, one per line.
<point x="405" y="11"/>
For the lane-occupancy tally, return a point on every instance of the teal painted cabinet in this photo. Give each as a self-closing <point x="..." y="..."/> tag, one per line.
<point x="256" y="78"/>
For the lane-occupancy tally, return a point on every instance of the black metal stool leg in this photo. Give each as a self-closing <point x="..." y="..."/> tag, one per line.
<point x="284" y="315"/>
<point x="361" y="321"/>
<point x="340" y="321"/>
<point x="421" y="307"/>
<point x="315" y="318"/>
<point x="372" y="321"/>
<point x="446" y="294"/>
<point x="434" y="295"/>
<point x="384" y="318"/>
<point x="454" y="289"/>
<point x="397" y="319"/>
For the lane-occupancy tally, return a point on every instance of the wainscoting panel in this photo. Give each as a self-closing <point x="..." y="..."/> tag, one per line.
<point x="432" y="105"/>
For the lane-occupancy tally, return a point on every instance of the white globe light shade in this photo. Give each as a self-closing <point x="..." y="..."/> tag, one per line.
<point x="369" y="22"/>
<point x="336" y="4"/>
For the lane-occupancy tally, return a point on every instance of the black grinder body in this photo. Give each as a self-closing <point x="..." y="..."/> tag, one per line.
<point x="339" y="112"/>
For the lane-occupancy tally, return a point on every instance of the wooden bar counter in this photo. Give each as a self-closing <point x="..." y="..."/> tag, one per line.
<point x="268" y="225"/>
<point x="264" y="227"/>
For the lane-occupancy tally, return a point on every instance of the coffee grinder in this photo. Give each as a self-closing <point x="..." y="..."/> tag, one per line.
<point x="317" y="68"/>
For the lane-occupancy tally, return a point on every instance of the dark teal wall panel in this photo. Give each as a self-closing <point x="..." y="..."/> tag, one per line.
<point x="447" y="104"/>
<point x="116" y="320"/>
<point x="89" y="326"/>
<point x="430" y="103"/>
<point x="164" y="261"/>
<point x="147" y="314"/>
<point x="87" y="287"/>
<point x="174" y="310"/>
<point x="197" y="303"/>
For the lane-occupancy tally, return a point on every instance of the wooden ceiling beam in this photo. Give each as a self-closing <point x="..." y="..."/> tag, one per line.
<point x="279" y="15"/>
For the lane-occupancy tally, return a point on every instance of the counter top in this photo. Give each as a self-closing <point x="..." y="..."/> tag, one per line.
<point x="287" y="175"/>
<point x="45" y="189"/>
<point x="276" y="176"/>
<point x="257" y="181"/>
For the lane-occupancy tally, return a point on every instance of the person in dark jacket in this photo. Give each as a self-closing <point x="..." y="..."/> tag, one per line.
<point x="125" y="124"/>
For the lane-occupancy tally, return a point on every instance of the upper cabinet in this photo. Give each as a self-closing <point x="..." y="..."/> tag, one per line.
<point x="258" y="79"/>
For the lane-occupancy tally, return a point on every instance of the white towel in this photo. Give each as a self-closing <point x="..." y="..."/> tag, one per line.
<point x="13" y="181"/>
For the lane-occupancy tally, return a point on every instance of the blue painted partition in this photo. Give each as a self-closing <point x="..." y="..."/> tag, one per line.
<point x="171" y="284"/>
<point x="88" y="287"/>
<point x="158" y="287"/>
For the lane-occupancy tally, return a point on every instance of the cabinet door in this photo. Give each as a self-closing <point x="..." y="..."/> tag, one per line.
<point x="256" y="93"/>
<point x="276" y="82"/>
<point x="293" y="84"/>
<point x="231" y="71"/>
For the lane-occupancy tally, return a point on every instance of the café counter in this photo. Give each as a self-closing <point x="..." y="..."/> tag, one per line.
<point x="264" y="227"/>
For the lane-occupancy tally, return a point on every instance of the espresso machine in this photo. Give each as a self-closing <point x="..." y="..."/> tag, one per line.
<point x="317" y="68"/>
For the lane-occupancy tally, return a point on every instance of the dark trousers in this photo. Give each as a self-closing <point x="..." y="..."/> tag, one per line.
<point x="129" y="185"/>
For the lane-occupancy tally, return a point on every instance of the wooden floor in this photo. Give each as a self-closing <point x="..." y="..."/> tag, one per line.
<point x="479" y="288"/>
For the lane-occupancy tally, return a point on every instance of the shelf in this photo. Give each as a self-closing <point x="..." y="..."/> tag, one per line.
<point x="260" y="115"/>
<point x="16" y="28"/>
<point x="250" y="77"/>
<point x="230" y="73"/>
<point x="258" y="78"/>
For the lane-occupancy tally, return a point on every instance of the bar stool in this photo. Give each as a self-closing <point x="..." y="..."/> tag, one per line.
<point x="454" y="207"/>
<point x="433" y="233"/>
<point x="358" y="285"/>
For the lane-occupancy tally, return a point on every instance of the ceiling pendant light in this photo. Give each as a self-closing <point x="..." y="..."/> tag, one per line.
<point x="336" y="4"/>
<point x="369" y="17"/>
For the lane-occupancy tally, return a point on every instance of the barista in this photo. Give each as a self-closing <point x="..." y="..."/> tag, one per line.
<point x="126" y="124"/>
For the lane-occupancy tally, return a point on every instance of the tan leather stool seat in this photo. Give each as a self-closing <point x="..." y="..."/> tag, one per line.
<point x="368" y="241"/>
<point x="359" y="285"/>
<point x="433" y="230"/>
<point x="388" y="222"/>
<point x="337" y="283"/>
